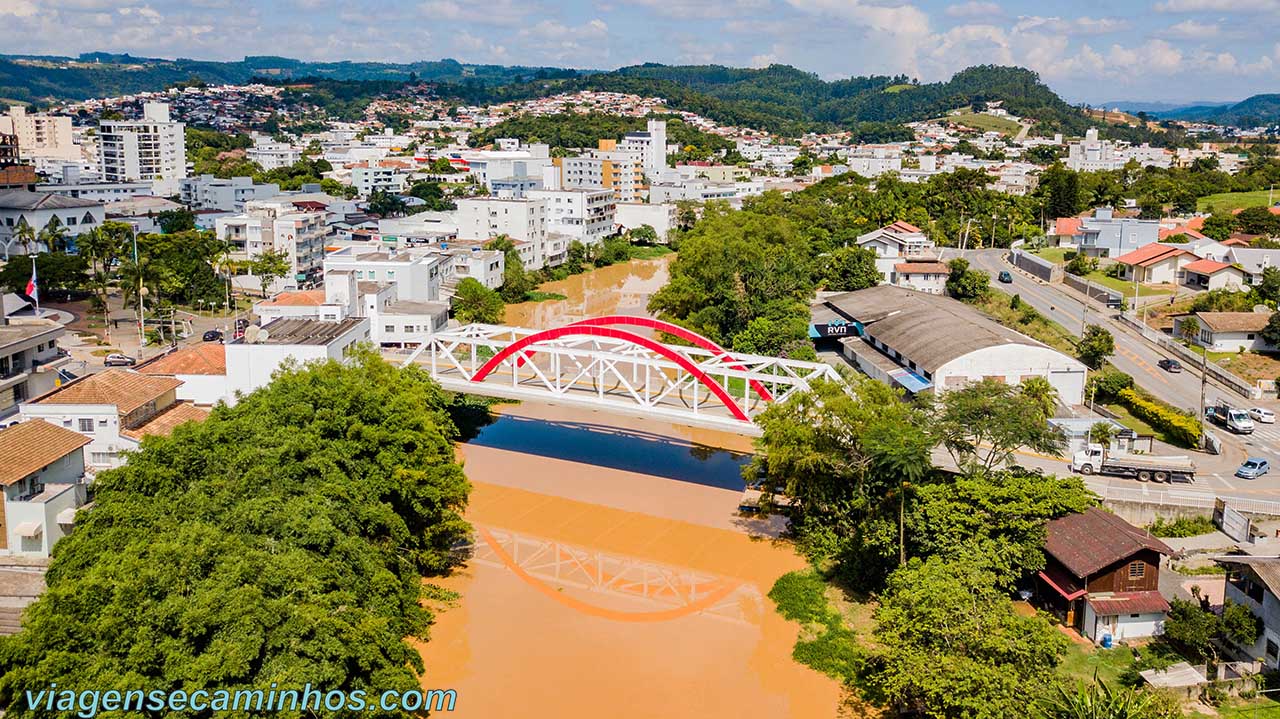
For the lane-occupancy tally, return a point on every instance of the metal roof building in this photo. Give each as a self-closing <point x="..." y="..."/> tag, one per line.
<point x="920" y="341"/>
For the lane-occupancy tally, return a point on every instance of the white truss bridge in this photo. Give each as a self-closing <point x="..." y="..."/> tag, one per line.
<point x="597" y="364"/>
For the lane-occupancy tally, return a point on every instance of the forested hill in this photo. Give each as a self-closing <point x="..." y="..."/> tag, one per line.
<point x="39" y="78"/>
<point x="1250" y="112"/>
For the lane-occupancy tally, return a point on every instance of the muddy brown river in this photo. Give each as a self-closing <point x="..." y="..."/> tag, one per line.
<point x="610" y="575"/>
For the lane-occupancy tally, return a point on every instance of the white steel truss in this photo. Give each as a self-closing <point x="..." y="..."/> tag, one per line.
<point x="615" y="370"/>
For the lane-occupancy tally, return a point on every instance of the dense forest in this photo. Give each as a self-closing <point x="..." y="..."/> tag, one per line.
<point x="1251" y="112"/>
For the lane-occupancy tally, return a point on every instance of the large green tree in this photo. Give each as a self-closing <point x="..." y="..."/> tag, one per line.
<point x="984" y="423"/>
<point x="283" y="540"/>
<point x="473" y="302"/>
<point x="850" y="268"/>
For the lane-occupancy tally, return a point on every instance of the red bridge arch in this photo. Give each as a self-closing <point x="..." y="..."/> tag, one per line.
<point x="591" y="330"/>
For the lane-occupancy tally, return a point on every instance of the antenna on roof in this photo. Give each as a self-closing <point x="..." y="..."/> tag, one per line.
<point x="251" y="334"/>
<point x="263" y="334"/>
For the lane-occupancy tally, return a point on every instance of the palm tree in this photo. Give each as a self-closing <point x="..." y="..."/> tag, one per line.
<point x="54" y="235"/>
<point x="1099" y="701"/>
<point x="25" y="235"/>
<point x="1040" y="391"/>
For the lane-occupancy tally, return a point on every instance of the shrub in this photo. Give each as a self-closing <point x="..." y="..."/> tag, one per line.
<point x="1107" y="384"/>
<point x="1178" y="427"/>
<point x="1181" y="527"/>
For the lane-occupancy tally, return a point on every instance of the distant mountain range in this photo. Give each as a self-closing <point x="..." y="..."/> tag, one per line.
<point x="1250" y="112"/>
<point x="778" y="98"/>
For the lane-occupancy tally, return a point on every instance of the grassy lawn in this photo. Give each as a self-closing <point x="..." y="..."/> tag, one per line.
<point x="985" y="122"/>
<point x="1249" y="365"/>
<point x="894" y="89"/>
<point x="1081" y="662"/>
<point x="1119" y="285"/>
<point x="1124" y="417"/>
<point x="1227" y="201"/>
<point x="1263" y="707"/>
<point x="1056" y="255"/>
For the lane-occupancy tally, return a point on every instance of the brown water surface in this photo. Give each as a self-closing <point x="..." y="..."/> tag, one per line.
<point x="617" y="289"/>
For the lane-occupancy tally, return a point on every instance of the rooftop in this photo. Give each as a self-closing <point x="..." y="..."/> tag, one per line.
<point x="286" y="331"/>
<point x="27" y="329"/>
<point x="298" y="298"/>
<point x="1094" y="539"/>
<point x="920" y="268"/>
<point x="1267" y="568"/>
<point x="1207" y="267"/>
<point x="406" y="307"/>
<point x="1150" y="254"/>
<point x="204" y="358"/>
<point x="30" y="446"/>
<point x="930" y="330"/>
<point x="1234" y="321"/>
<point x="24" y="200"/>
<point x="165" y="422"/>
<point x="126" y="389"/>
<point x="1115" y="603"/>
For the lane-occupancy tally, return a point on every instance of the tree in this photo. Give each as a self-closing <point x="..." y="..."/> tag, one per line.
<point x="473" y="302"/>
<point x="25" y="234"/>
<point x="516" y="283"/>
<point x="58" y="273"/>
<point x="992" y="417"/>
<point x="1271" y="333"/>
<point x="432" y="195"/>
<point x="851" y="268"/>
<point x="1096" y="345"/>
<point x="1189" y="328"/>
<point x="268" y="267"/>
<point x="575" y="257"/>
<point x="1219" y="226"/>
<point x="101" y="248"/>
<point x="178" y="220"/>
<point x="287" y="536"/>
<point x="54" y="235"/>
<point x="1082" y="264"/>
<point x="1269" y="288"/>
<point x="1258" y="221"/>
<point x="1040" y="391"/>
<point x="953" y="646"/>
<point x="642" y="235"/>
<point x="849" y="457"/>
<point x="1062" y="191"/>
<point x="1099" y="700"/>
<point x="965" y="284"/>
<point x="385" y="204"/>
<point x="1103" y="433"/>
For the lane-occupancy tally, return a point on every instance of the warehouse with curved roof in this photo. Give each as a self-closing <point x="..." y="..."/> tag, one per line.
<point x="921" y="341"/>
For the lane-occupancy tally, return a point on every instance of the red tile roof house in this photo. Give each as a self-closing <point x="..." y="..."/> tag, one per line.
<point x="1102" y="576"/>
<point x="1210" y="275"/>
<point x="1155" y="263"/>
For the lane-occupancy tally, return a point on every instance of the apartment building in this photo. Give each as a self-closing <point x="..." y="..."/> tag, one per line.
<point x="29" y="358"/>
<point x="278" y="226"/>
<point x="153" y="148"/>
<point x="40" y="136"/>
<point x="650" y="144"/>
<point x="272" y="155"/>
<point x="417" y="277"/>
<point x="587" y="216"/>
<point x="207" y="192"/>
<point x="376" y="178"/>
<point x="523" y="220"/>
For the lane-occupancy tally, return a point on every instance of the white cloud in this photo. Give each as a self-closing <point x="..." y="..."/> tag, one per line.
<point x="895" y="19"/>
<point x="1192" y="30"/>
<point x="975" y="9"/>
<point x="18" y="8"/>
<point x="490" y="12"/>
<point x="700" y="9"/>
<point x="1232" y="6"/>
<point x="1070" y="26"/>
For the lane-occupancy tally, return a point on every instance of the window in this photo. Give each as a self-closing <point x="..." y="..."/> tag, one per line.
<point x="1134" y="616"/>
<point x="102" y="422"/>
<point x="1250" y="336"/>
<point x="410" y="328"/>
<point x="1137" y="570"/>
<point x="1272" y="649"/>
<point x="389" y="328"/>
<point x="86" y="424"/>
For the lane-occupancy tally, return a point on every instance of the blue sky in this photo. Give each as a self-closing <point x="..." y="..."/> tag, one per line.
<point x="1172" y="50"/>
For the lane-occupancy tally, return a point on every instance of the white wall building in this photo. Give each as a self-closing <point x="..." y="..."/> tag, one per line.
<point x="661" y="217"/>
<point x="897" y="243"/>
<point x="272" y="155"/>
<point x="651" y="144"/>
<point x="36" y="209"/>
<point x="251" y="364"/>
<point x="153" y="148"/>
<point x="368" y="180"/>
<point x="43" y="479"/>
<point x="585" y="215"/>
<point x="278" y="226"/>
<point x="207" y="192"/>
<point x="417" y="277"/>
<point x="523" y="220"/>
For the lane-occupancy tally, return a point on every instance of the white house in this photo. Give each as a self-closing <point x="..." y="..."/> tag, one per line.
<point x="114" y="409"/>
<point x="43" y="479"/>
<point x="1228" y="331"/>
<point x="1209" y="274"/>
<point x="1254" y="582"/>
<point x="36" y="209"/>
<point x="202" y="369"/>
<point x="896" y="243"/>
<point x="928" y="277"/>
<point x="920" y="341"/>
<point x="253" y="359"/>
<point x="1155" y="263"/>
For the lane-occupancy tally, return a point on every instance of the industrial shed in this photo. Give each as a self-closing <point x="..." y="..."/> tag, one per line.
<point x="920" y="341"/>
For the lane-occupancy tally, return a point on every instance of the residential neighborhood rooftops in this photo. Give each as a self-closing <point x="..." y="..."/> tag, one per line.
<point x="297" y="298"/>
<point x="30" y="446"/>
<point x="164" y="422"/>
<point x="407" y="307"/>
<point x="1088" y="541"/>
<point x="1067" y="226"/>
<point x="1234" y="321"/>
<point x="1150" y="254"/>
<point x="126" y="389"/>
<point x="204" y="358"/>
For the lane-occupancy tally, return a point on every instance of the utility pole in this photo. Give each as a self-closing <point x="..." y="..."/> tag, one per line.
<point x="1204" y="375"/>
<point x="142" y="339"/>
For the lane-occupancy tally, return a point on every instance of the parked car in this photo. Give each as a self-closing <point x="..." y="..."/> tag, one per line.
<point x="115" y="359"/>
<point x="1253" y="468"/>
<point x="213" y="336"/>
<point x="1263" y="415"/>
<point x="1170" y="365"/>
<point x="1005" y="277"/>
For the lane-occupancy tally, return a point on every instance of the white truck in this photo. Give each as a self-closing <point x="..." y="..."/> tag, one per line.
<point x="1235" y="420"/>
<point x="1094" y="459"/>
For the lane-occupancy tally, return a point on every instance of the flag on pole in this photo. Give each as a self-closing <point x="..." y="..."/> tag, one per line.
<point x="33" y="291"/>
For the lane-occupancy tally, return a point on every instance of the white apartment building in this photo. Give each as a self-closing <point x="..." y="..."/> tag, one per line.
<point x="153" y="148"/>
<point x="207" y="192"/>
<point x="368" y="180"/>
<point x="896" y="244"/>
<point x="417" y="277"/>
<point x="272" y="155"/>
<point x="75" y="183"/>
<point x="251" y="364"/>
<point x="660" y="216"/>
<point x="585" y="215"/>
<point x="277" y="226"/>
<point x="40" y="136"/>
<point x="651" y="144"/>
<point x="621" y="171"/>
<point x="489" y="165"/>
<point x="872" y="162"/>
<point x="1092" y="154"/>
<point x="523" y="220"/>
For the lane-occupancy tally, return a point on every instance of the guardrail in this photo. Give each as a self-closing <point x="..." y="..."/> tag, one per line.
<point x="1233" y="382"/>
<point x="1182" y="498"/>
